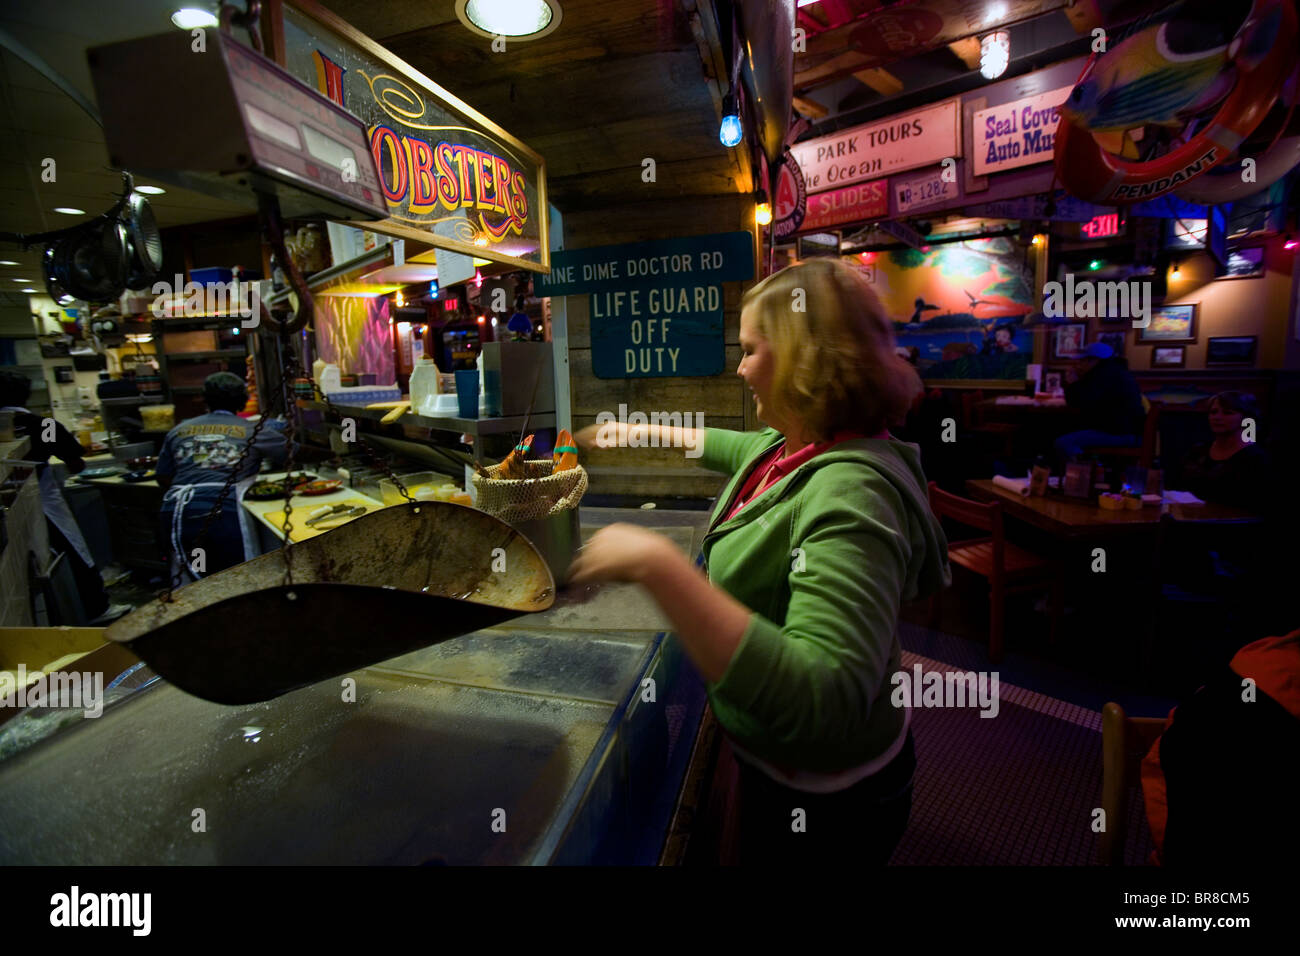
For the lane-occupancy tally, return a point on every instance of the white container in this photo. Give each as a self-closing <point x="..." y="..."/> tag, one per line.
<point x="424" y="386"/>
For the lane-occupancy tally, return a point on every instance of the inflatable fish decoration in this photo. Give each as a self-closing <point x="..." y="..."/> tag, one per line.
<point x="1143" y="81"/>
<point x="566" y="452"/>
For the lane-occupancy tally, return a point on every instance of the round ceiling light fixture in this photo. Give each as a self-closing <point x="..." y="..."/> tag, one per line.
<point x="995" y="54"/>
<point x="511" y="19"/>
<point x="150" y="190"/>
<point x="194" y="18"/>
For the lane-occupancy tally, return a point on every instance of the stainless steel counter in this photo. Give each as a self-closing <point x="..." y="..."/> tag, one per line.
<point x="529" y="742"/>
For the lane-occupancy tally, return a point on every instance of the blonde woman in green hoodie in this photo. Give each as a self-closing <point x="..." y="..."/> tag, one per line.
<point x="822" y="531"/>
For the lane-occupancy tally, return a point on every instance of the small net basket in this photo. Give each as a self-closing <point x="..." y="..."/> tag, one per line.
<point x="543" y="494"/>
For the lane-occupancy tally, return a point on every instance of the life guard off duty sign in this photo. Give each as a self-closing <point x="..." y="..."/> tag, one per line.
<point x="656" y="307"/>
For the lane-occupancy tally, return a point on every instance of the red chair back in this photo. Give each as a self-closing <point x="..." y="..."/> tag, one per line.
<point x="986" y="517"/>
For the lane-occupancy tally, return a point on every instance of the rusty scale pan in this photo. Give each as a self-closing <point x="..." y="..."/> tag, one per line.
<point x="384" y="584"/>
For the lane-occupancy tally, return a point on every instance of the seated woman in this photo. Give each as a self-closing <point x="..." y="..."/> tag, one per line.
<point x="1230" y="470"/>
<point x="822" y="531"/>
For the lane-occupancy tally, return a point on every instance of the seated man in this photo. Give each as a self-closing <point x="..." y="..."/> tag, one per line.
<point x="196" y="460"/>
<point x="1108" y="400"/>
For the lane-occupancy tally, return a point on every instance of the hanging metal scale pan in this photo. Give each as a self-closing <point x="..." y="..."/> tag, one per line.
<point x="384" y="584"/>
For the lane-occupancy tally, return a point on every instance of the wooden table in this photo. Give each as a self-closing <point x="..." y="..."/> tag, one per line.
<point x="1083" y="517"/>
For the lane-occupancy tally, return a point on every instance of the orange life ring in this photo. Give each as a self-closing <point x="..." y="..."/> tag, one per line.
<point x="1090" y="172"/>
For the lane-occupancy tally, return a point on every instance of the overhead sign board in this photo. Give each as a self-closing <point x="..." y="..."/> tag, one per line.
<point x="1019" y="133"/>
<point x="850" y="204"/>
<point x="922" y="137"/>
<point x="656" y="307"/>
<point x="450" y="176"/>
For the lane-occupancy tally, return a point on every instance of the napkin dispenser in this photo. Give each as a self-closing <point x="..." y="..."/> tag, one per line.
<point x="228" y="122"/>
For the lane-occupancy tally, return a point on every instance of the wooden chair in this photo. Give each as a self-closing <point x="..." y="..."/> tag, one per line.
<point x="1124" y="742"/>
<point x="1145" y="453"/>
<point x="972" y="419"/>
<point x="1009" y="568"/>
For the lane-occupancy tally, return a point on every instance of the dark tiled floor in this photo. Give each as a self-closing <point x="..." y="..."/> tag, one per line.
<point x="1020" y="788"/>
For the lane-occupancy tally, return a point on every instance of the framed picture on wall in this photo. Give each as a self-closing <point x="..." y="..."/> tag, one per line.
<point x="1053" y="382"/>
<point x="1245" y="263"/>
<point x="1231" y="350"/>
<point x="1114" y="339"/>
<point x="1067" y="340"/>
<point x="1172" y="356"/>
<point x="1170" y="323"/>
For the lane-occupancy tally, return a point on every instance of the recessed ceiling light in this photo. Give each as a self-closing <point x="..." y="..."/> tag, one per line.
<point x="29" y="290"/>
<point x="21" y="280"/>
<point x="194" y="18"/>
<point x="7" y="262"/>
<point x="513" y="19"/>
<point x="150" y="190"/>
<point x="70" y="211"/>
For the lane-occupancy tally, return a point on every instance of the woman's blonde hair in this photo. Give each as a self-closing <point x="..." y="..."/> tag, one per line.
<point x="835" y="368"/>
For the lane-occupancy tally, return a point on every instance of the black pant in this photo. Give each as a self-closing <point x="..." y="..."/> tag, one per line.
<point x="90" y="586"/>
<point x="861" y="825"/>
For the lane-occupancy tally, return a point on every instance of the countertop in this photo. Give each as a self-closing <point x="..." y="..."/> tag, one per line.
<point x="543" y="724"/>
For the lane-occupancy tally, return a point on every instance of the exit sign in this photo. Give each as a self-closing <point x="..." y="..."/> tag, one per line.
<point x="1102" y="227"/>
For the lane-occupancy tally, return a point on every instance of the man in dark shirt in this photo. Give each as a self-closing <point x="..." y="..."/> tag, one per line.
<point x="50" y="438"/>
<point x="1109" y="403"/>
<point x="196" y="460"/>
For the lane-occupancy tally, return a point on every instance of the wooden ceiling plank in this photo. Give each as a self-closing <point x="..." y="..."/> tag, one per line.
<point x="832" y="69"/>
<point x="810" y="108"/>
<point x="967" y="50"/>
<point x="880" y="80"/>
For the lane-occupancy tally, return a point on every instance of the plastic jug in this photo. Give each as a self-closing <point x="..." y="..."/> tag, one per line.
<point x="331" y="379"/>
<point x="424" y="386"/>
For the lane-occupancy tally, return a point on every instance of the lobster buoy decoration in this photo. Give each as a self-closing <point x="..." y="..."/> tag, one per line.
<point x="1143" y="81"/>
<point x="1273" y="150"/>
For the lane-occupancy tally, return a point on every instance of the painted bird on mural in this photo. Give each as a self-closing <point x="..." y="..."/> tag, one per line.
<point x="1165" y="73"/>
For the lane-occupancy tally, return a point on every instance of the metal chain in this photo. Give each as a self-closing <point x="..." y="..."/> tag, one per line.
<point x="371" y="455"/>
<point x="288" y="372"/>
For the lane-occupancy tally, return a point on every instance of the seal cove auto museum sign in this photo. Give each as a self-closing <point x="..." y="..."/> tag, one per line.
<point x="656" y="307"/>
<point x="921" y="138"/>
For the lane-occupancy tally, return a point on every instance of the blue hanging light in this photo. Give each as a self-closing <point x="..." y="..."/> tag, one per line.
<point x="731" y="132"/>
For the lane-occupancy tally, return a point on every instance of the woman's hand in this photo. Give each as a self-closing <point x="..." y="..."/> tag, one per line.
<point x="621" y="552"/>
<point x="585" y="438"/>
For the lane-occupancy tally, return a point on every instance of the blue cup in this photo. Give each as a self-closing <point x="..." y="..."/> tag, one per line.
<point x="492" y="392"/>
<point x="467" y="392"/>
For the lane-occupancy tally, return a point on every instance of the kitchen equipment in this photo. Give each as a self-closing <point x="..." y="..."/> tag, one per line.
<point x="526" y="374"/>
<point x="144" y="243"/>
<point x="237" y="122"/>
<point x="427" y="568"/>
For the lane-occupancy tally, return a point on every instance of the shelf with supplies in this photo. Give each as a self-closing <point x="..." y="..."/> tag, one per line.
<point x="477" y="427"/>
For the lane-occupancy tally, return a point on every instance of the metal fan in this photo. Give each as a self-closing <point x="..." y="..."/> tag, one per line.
<point x="144" y="243"/>
<point x="91" y="263"/>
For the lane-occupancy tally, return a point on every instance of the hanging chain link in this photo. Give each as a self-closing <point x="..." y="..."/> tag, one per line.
<point x="379" y="461"/>
<point x="289" y="368"/>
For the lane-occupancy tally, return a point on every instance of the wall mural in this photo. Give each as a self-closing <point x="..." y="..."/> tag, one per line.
<point x="959" y="308"/>
<point x="355" y="333"/>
